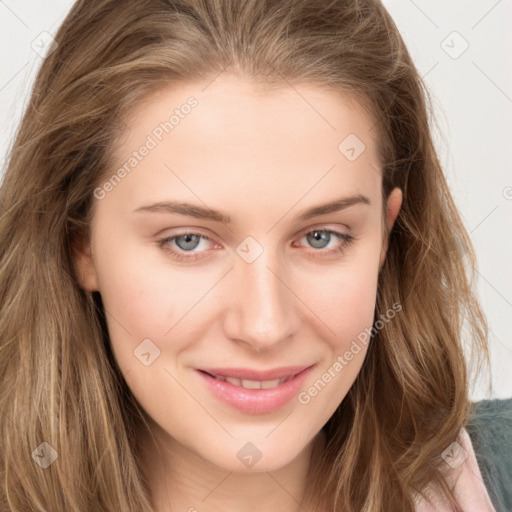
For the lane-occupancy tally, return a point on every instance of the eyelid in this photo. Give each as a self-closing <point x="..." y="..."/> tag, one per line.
<point x="324" y="227"/>
<point x="186" y="230"/>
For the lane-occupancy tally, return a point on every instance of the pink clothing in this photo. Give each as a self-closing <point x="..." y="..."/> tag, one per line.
<point x="465" y="475"/>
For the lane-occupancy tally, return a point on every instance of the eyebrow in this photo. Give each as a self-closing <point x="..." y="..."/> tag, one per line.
<point x="200" y="212"/>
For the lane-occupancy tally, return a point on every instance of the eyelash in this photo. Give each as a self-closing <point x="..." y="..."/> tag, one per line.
<point x="347" y="240"/>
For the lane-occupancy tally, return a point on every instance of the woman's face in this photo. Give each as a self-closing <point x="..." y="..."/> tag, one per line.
<point x="272" y="289"/>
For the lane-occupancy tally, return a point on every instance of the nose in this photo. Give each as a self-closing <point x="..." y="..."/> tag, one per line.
<point x="262" y="311"/>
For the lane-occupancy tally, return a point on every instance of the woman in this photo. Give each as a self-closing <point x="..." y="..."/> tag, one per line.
<point x="178" y="336"/>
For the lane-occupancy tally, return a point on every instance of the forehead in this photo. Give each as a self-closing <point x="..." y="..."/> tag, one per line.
<point x="241" y="137"/>
<point x="229" y="106"/>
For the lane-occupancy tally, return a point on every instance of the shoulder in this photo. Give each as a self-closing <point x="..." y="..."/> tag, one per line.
<point x="478" y="465"/>
<point x="490" y="430"/>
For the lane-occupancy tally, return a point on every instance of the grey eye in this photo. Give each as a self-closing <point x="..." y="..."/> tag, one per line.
<point x="317" y="238"/>
<point x="191" y="241"/>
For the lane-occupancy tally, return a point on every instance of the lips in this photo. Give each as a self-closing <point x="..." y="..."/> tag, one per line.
<point x="258" y="394"/>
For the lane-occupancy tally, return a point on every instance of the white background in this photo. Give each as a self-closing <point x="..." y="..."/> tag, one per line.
<point x="472" y="96"/>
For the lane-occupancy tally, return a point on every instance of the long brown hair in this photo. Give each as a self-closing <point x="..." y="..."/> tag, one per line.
<point x="59" y="381"/>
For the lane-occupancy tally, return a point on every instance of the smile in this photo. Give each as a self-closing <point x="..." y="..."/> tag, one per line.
<point x="252" y="395"/>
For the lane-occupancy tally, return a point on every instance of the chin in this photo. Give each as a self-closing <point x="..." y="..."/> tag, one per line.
<point x="248" y="458"/>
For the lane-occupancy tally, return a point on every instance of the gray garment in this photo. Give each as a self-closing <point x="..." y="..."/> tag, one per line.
<point x="490" y="430"/>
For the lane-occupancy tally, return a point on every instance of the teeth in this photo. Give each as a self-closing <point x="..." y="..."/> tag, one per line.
<point x="234" y="381"/>
<point x="253" y="384"/>
<point x="266" y="384"/>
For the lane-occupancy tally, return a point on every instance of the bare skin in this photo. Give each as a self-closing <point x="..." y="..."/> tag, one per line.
<point x="262" y="159"/>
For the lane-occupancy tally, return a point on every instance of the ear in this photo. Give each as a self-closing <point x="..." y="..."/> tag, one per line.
<point x="84" y="264"/>
<point x="393" y="206"/>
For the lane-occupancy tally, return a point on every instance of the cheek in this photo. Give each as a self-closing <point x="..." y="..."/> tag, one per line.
<point x="346" y="305"/>
<point x="146" y="298"/>
<point x="134" y="296"/>
<point x="343" y="297"/>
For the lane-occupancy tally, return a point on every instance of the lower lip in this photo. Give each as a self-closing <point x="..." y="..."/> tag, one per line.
<point x="256" y="401"/>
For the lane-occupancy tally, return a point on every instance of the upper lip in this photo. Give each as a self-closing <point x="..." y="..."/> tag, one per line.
<point x="251" y="374"/>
